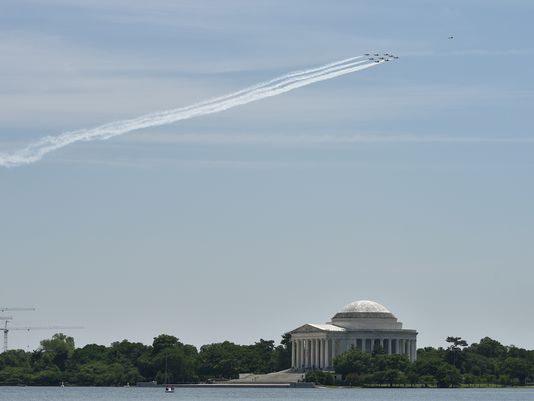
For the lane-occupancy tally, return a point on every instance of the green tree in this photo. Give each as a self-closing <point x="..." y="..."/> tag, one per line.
<point x="90" y="352"/>
<point x="259" y="357"/>
<point x="427" y="380"/>
<point x="181" y="365"/>
<point x="391" y="376"/>
<point x="164" y="341"/>
<point x="386" y="362"/>
<point x="221" y="360"/>
<point x="516" y="368"/>
<point x="457" y="344"/>
<point x="60" y="347"/>
<point x="412" y="377"/>
<point x="282" y="354"/>
<point x="319" y="377"/>
<point x="448" y="376"/>
<point x="15" y="375"/>
<point x="353" y="361"/>
<point x="489" y="348"/>
<point x="125" y="352"/>
<point x="505" y="380"/>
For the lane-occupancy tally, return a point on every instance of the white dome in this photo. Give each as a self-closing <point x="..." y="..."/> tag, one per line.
<point x="360" y="315"/>
<point x="365" y="306"/>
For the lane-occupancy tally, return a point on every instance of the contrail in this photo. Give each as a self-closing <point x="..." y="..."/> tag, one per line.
<point x="285" y="83"/>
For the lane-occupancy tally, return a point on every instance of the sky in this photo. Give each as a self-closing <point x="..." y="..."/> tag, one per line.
<point x="408" y="184"/>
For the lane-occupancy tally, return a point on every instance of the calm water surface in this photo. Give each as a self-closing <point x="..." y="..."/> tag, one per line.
<point x="216" y="394"/>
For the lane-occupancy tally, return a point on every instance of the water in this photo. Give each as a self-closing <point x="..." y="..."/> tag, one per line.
<point x="259" y="394"/>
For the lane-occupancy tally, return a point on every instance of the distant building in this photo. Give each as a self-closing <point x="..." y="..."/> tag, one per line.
<point x="364" y="325"/>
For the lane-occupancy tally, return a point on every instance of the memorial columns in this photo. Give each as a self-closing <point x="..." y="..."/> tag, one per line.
<point x="306" y="354"/>
<point x="323" y="363"/>
<point x="301" y="354"/>
<point x="314" y="359"/>
<point x="317" y="353"/>
<point x="293" y="353"/>
<point x="312" y="349"/>
<point x="333" y="349"/>
<point x="309" y="353"/>
<point x="318" y="365"/>
<point x="297" y="354"/>
<point x="326" y="354"/>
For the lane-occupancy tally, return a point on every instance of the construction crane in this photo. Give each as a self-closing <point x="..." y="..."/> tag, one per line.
<point x="15" y="309"/>
<point x="6" y="318"/>
<point x="6" y="330"/>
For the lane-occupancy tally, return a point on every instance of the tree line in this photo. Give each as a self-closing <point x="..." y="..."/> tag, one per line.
<point x="57" y="361"/>
<point x="486" y="363"/>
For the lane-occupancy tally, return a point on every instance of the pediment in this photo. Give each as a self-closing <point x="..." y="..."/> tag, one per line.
<point x="307" y="328"/>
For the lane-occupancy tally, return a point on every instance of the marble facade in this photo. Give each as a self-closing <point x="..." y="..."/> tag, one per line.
<point x="365" y="325"/>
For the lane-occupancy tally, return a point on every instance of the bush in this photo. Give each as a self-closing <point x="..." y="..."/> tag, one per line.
<point x="319" y="377"/>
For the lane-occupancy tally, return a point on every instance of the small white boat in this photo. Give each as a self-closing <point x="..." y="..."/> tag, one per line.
<point x="169" y="389"/>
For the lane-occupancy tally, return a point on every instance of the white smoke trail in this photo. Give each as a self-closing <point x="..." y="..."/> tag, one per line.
<point x="275" y="80"/>
<point x="275" y="83"/>
<point x="35" y="151"/>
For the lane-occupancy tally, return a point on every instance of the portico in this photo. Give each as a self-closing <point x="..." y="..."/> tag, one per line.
<point x="364" y="325"/>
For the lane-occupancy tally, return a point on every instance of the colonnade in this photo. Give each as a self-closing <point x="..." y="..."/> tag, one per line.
<point x="319" y="353"/>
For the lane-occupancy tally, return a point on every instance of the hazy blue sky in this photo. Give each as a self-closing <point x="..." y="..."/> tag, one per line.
<point x="409" y="184"/>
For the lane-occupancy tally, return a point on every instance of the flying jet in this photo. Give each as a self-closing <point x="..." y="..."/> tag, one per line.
<point x="451" y="37"/>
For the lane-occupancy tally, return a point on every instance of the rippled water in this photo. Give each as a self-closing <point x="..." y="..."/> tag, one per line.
<point x="259" y="394"/>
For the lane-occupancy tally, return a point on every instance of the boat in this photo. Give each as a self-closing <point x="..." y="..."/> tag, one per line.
<point x="169" y="388"/>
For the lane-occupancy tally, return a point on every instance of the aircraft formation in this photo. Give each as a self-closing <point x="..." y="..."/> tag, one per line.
<point x="378" y="57"/>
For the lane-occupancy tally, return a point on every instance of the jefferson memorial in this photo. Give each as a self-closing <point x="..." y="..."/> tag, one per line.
<point x="364" y="325"/>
